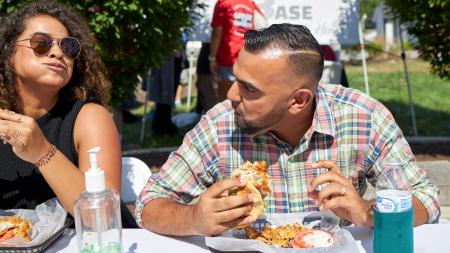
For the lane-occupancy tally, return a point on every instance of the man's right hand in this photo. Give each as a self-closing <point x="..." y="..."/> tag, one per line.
<point x="216" y="212"/>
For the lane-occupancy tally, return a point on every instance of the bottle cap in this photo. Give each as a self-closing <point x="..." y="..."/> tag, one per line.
<point x="95" y="176"/>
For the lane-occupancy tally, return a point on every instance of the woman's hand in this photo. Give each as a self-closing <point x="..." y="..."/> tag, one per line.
<point x="24" y="135"/>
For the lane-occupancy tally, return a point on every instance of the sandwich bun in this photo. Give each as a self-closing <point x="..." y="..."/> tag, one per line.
<point x="258" y="185"/>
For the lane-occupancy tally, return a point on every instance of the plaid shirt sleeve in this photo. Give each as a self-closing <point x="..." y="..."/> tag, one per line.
<point x="185" y="175"/>
<point x="387" y="141"/>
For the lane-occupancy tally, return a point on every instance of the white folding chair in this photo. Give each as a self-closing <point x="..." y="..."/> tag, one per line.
<point x="192" y="53"/>
<point x="135" y="174"/>
<point x="332" y="72"/>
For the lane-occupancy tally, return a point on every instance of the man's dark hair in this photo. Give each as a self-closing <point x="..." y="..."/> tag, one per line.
<point x="291" y="39"/>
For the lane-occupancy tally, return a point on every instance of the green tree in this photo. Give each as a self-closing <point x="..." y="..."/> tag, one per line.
<point x="132" y="35"/>
<point x="429" y="22"/>
<point x="368" y="7"/>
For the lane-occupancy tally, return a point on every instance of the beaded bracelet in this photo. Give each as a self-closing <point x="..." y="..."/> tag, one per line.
<point x="46" y="158"/>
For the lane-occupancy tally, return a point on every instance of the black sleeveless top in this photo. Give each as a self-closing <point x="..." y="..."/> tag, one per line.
<point x="21" y="184"/>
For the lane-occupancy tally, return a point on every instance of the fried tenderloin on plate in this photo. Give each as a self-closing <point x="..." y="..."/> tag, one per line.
<point x="14" y="226"/>
<point x="258" y="184"/>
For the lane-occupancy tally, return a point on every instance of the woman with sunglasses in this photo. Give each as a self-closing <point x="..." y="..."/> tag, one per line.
<point x="53" y="92"/>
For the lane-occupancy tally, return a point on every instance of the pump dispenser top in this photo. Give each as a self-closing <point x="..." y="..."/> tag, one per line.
<point x="95" y="176"/>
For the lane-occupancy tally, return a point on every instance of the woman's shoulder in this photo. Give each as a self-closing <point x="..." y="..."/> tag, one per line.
<point x="93" y="106"/>
<point x="94" y="124"/>
<point x="93" y="113"/>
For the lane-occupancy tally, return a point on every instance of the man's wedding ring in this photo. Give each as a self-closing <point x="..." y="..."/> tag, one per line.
<point x="343" y="189"/>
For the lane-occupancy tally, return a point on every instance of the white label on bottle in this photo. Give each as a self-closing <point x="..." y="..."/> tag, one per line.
<point x="106" y="241"/>
<point x="393" y="201"/>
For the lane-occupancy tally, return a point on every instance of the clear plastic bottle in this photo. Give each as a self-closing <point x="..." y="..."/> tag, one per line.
<point x="97" y="214"/>
<point x="393" y="214"/>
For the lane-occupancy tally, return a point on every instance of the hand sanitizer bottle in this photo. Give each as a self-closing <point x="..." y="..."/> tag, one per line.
<point x="97" y="213"/>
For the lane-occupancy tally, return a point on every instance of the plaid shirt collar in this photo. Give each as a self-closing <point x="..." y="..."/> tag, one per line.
<point x="323" y="120"/>
<point x="322" y="123"/>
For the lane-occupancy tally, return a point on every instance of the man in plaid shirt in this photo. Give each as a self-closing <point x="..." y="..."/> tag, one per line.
<point x="308" y="134"/>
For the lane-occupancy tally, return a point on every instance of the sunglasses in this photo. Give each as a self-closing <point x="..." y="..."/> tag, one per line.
<point x="41" y="43"/>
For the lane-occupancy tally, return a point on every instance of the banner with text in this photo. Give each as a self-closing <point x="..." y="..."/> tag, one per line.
<point x="330" y="21"/>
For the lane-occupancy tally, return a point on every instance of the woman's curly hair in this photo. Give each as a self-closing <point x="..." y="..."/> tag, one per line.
<point x="88" y="81"/>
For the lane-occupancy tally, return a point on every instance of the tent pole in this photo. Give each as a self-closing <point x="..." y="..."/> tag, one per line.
<point x="408" y="87"/>
<point x="363" y="54"/>
<point x="144" y="117"/>
<point x="190" y="81"/>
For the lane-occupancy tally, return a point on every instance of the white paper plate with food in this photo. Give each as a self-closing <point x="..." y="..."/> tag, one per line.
<point x="292" y="232"/>
<point x="27" y="228"/>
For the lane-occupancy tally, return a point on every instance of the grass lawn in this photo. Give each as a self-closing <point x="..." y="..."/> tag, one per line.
<point x="131" y="132"/>
<point x="431" y="95"/>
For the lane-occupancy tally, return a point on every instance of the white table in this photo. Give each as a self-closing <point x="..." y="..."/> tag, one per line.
<point x="427" y="238"/>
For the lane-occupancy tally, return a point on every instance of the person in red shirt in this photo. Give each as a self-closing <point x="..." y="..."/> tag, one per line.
<point x="231" y="19"/>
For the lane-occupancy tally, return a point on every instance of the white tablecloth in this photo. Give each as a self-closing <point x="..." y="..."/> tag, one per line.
<point x="427" y="239"/>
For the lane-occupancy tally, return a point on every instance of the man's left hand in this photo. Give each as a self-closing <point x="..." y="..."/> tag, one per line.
<point x="340" y="196"/>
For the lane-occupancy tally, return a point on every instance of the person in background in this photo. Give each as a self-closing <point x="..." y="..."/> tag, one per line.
<point x="207" y="97"/>
<point x="181" y="69"/>
<point x="308" y="133"/>
<point x="164" y="81"/>
<point x="54" y="94"/>
<point x="231" y="19"/>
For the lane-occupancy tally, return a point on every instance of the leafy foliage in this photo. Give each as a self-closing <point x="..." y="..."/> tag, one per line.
<point x="132" y="35"/>
<point x="429" y="22"/>
<point x="368" y="7"/>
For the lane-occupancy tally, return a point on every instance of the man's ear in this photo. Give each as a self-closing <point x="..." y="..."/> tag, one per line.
<point x="302" y="98"/>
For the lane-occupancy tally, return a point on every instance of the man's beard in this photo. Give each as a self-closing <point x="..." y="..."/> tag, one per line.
<point x="263" y="124"/>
